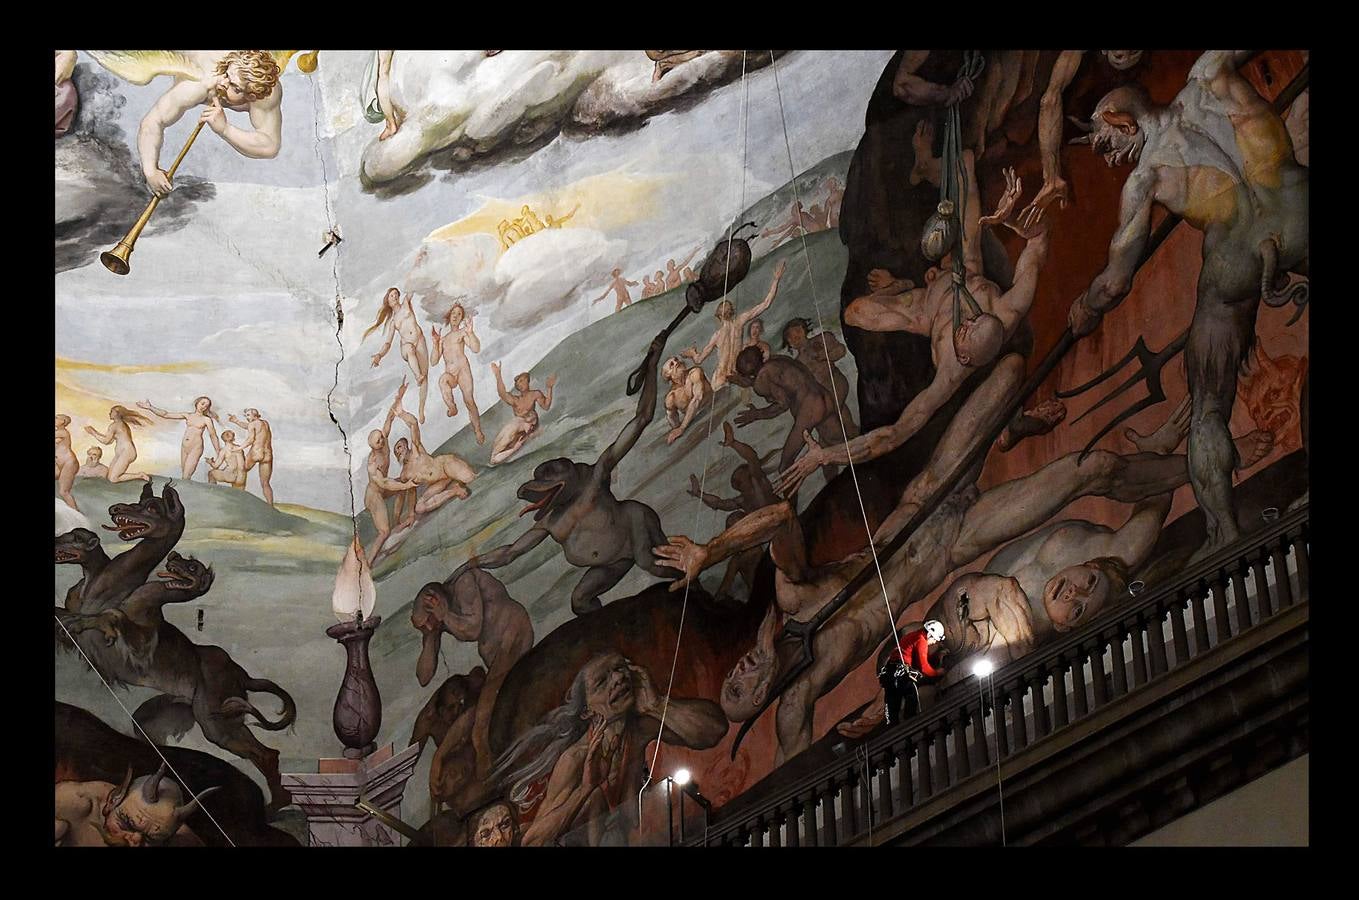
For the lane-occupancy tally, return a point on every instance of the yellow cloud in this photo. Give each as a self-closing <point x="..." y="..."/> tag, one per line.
<point x="75" y="365"/>
<point x="86" y="407"/>
<point x="605" y="202"/>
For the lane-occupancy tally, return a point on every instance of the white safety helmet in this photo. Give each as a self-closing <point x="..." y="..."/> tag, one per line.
<point x="934" y="629"/>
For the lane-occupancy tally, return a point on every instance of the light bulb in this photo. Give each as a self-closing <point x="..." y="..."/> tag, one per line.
<point x="682" y="777"/>
<point x="982" y="668"/>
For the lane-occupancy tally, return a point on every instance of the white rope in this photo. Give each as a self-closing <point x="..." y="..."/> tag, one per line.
<point x="744" y="125"/>
<point x="184" y="784"/>
<point x="835" y="394"/>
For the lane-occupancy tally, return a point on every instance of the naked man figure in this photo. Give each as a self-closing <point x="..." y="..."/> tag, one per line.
<point x="729" y="337"/>
<point x="380" y="486"/>
<point x="755" y="338"/>
<point x="444" y="477"/>
<point x="965" y="527"/>
<point x="121" y="420"/>
<point x="93" y="468"/>
<point x="229" y="465"/>
<point x="753" y="491"/>
<point x="789" y="387"/>
<point x="452" y="346"/>
<point x="897" y="305"/>
<point x="397" y="316"/>
<point x="201" y="419"/>
<point x="259" y="449"/>
<point x="674" y="272"/>
<point x="1220" y="157"/>
<point x="67" y="463"/>
<point x="619" y="286"/>
<point x="524" y="425"/>
<point x="820" y="352"/>
<point x="688" y="393"/>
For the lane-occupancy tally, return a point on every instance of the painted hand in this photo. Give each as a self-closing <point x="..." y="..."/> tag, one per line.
<point x="1014" y="187"/>
<point x="159" y="182"/>
<point x="791" y="479"/>
<point x="214" y="116"/>
<point x="684" y="555"/>
<point x="1053" y="190"/>
<point x="648" y="701"/>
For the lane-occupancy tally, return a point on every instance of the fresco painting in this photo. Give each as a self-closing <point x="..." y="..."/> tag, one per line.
<point x="618" y="412"/>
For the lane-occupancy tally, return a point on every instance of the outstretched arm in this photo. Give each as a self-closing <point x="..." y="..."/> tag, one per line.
<point x="707" y="350"/>
<point x="470" y="340"/>
<point x="759" y="527"/>
<point x="545" y="399"/>
<point x="1219" y="62"/>
<point x="1113" y="284"/>
<point x="1014" y="304"/>
<point x="414" y="425"/>
<point x="166" y="111"/>
<point x="888" y="309"/>
<point x="505" y="396"/>
<point x="146" y="405"/>
<point x="266" y="118"/>
<point x="503" y="555"/>
<point x="99" y="435"/>
<point x="764" y="304"/>
<point x="646" y="411"/>
<point x="1050" y="129"/>
<point x="913" y="90"/>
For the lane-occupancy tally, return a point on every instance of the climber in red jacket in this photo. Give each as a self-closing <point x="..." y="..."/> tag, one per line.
<point x="905" y="666"/>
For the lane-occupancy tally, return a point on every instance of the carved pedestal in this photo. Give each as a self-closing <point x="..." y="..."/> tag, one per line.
<point x="327" y="797"/>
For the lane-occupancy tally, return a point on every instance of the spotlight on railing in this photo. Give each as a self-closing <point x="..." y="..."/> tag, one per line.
<point x="682" y="777"/>
<point x="1136" y="587"/>
<point x="982" y="667"/>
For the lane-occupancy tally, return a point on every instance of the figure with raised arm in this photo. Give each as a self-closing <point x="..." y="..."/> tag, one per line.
<point x="199" y="420"/>
<point x="397" y="317"/>
<point x="522" y="401"/>
<point x="121" y="420"/>
<point x="730" y="334"/>
<point x="452" y="347"/>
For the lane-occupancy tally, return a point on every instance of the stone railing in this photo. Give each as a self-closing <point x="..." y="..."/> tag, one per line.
<point x="1035" y="698"/>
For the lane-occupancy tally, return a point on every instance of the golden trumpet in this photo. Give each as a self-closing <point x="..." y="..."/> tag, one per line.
<point x="116" y="260"/>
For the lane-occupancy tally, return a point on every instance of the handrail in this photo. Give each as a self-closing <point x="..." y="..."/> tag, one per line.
<point x="1033" y="670"/>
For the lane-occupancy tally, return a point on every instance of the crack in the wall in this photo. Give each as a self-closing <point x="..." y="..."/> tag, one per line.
<point x="339" y="314"/>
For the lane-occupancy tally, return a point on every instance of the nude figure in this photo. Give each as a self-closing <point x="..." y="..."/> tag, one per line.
<point x="800" y="221"/>
<point x="967" y="526"/>
<point x="398" y="317"/>
<point x="1219" y="156"/>
<point x="820" y="353"/>
<point x="674" y="272"/>
<point x="93" y="468"/>
<point x="121" y="420"/>
<point x="67" y="463"/>
<point x="195" y="423"/>
<point x="473" y="607"/>
<point x="380" y="486"/>
<point x="753" y="491"/>
<point x="524" y="425"/>
<point x="67" y="100"/>
<point x="789" y="387"/>
<point x="229" y="466"/>
<point x="689" y="392"/>
<point x="755" y="338"/>
<point x="897" y="305"/>
<point x="617" y="285"/>
<point x="392" y="114"/>
<point x="452" y="346"/>
<point x="729" y="336"/>
<point x="443" y="477"/>
<point x="240" y="80"/>
<point x="259" y="449"/>
<point x="649" y="287"/>
<point x="835" y="196"/>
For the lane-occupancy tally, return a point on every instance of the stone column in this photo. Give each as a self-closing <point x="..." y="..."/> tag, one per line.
<point x="327" y="797"/>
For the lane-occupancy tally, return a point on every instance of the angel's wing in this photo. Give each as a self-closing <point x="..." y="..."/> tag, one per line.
<point x="140" y="66"/>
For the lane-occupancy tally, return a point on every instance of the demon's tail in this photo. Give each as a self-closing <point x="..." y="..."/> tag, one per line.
<point x="240" y="705"/>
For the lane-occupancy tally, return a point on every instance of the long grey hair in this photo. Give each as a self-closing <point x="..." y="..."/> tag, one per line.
<point x="533" y="755"/>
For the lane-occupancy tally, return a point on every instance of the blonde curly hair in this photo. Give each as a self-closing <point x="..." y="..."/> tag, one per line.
<point x="259" y="71"/>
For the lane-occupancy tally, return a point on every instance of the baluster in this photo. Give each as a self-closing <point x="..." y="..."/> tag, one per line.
<point x="923" y="764"/>
<point x="850" y="793"/>
<point x="866" y="801"/>
<point x="794" y="821"/>
<point x="1002" y="732"/>
<point x="904" y="778"/>
<point x="743" y="838"/>
<point x="1177" y="629"/>
<point x="885" y="785"/>
<point x="1097" y="675"/>
<point x="1021" y="728"/>
<point x="1040" y="710"/>
<point x="1078" y="685"/>
<point x="757" y="834"/>
<point x="775" y="828"/>
<point x="941" y="770"/>
<point x="1263" y="595"/>
<point x="981" y="744"/>
<point x="813" y="839"/>
<point x="1279" y="555"/>
<point x="1239" y="598"/>
<point x="1156" y="640"/>
<point x="1224" y="624"/>
<point x="1196" y="598"/>
<point x="1120" y="666"/>
<point x="960" y="748"/>
<point x="1303" y="557"/>
<point x="1060" y="713"/>
<point x="829" y="837"/>
<point x="1139" y="653"/>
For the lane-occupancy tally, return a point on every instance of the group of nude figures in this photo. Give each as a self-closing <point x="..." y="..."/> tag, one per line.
<point x="230" y="465"/>
<point x="446" y="476"/>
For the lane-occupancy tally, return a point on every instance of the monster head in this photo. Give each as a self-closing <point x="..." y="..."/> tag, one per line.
<point x="76" y="546"/>
<point x="150" y="517"/>
<point x="186" y="574"/>
<point x="556" y="483"/>
<point x="147" y="811"/>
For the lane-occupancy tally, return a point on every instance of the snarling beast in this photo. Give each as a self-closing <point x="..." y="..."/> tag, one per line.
<point x="133" y="644"/>
<point x="156" y="524"/>
<point x="147" y="812"/>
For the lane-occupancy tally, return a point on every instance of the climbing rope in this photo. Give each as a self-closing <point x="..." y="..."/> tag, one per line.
<point x="744" y="125"/>
<point x="953" y="189"/>
<point x="835" y="394"/>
